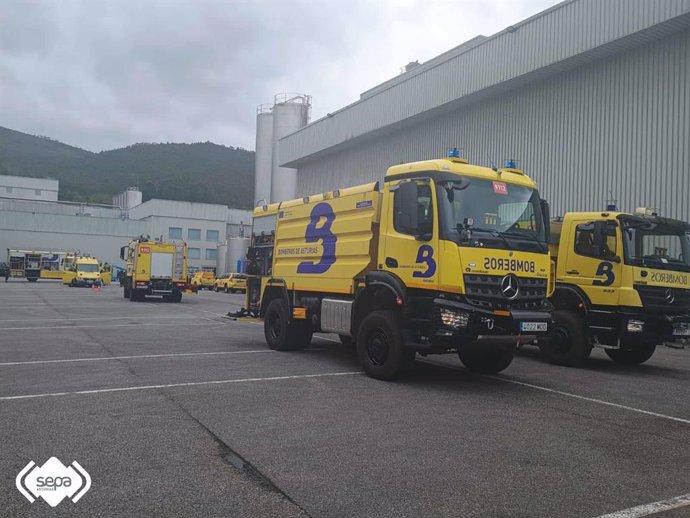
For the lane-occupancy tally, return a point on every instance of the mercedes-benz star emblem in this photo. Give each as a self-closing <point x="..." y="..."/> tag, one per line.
<point x="510" y="287"/>
<point x="669" y="296"/>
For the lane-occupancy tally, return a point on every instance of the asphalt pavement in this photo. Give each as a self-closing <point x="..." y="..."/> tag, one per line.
<point x="176" y="410"/>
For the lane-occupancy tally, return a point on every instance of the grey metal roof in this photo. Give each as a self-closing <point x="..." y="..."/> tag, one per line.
<point x="558" y="39"/>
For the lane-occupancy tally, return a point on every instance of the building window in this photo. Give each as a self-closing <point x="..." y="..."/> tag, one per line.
<point x="194" y="234"/>
<point x="8" y="189"/>
<point x="211" y="254"/>
<point x="37" y="192"/>
<point x="175" y="233"/>
<point x="194" y="253"/>
<point x="212" y="235"/>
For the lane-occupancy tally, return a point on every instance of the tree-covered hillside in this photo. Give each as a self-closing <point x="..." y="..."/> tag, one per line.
<point x="201" y="172"/>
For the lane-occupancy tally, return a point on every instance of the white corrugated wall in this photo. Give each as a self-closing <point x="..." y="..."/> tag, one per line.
<point x="618" y="127"/>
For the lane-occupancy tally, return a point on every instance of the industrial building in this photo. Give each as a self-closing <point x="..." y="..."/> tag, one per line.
<point x="212" y="232"/>
<point x="590" y="97"/>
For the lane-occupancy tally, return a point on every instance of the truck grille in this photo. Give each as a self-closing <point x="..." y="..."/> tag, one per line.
<point x="659" y="298"/>
<point x="485" y="291"/>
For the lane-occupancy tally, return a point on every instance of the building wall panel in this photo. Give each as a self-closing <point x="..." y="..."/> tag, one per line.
<point x="615" y="128"/>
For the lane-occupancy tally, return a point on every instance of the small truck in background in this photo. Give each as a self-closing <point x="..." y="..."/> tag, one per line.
<point x="84" y="271"/>
<point x="154" y="268"/>
<point x="203" y="279"/>
<point x="622" y="284"/>
<point x="36" y="264"/>
<point x="446" y="257"/>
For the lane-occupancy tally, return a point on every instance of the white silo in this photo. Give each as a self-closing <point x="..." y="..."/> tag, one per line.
<point x="133" y="197"/>
<point x="290" y="113"/>
<point x="237" y="249"/>
<point x="222" y="259"/>
<point x="264" y="153"/>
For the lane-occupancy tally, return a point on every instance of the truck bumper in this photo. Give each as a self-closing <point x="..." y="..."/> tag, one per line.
<point x="456" y="323"/>
<point x="88" y="283"/>
<point x="672" y="330"/>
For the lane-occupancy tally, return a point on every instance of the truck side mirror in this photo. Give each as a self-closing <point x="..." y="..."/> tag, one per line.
<point x="122" y="253"/>
<point x="545" y="212"/>
<point x="405" y="208"/>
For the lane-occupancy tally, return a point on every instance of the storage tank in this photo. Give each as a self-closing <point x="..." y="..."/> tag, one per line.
<point x="237" y="250"/>
<point x="133" y="197"/>
<point x="264" y="153"/>
<point x="222" y="259"/>
<point x="290" y="113"/>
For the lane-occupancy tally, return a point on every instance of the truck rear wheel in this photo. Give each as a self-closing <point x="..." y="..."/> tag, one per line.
<point x="380" y="346"/>
<point x="567" y="344"/>
<point x="631" y="354"/>
<point x="486" y="360"/>
<point x="280" y="333"/>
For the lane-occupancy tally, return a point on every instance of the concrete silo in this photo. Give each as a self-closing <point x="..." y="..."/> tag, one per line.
<point x="264" y="153"/>
<point x="237" y="250"/>
<point x="290" y="113"/>
<point x="222" y="259"/>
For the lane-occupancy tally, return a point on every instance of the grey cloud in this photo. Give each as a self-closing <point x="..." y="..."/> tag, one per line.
<point x="106" y="74"/>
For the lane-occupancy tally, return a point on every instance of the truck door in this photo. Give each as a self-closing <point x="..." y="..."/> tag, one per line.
<point x="593" y="262"/>
<point x="409" y="248"/>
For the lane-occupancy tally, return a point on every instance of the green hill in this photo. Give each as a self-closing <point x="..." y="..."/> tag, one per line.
<point x="201" y="172"/>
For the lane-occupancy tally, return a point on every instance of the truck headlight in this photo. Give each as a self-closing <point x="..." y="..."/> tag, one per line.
<point x="454" y="319"/>
<point x="635" y="326"/>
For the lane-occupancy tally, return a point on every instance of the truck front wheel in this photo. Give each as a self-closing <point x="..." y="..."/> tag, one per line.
<point x="380" y="346"/>
<point x="631" y="354"/>
<point x="567" y="344"/>
<point x="282" y="334"/>
<point x="486" y="360"/>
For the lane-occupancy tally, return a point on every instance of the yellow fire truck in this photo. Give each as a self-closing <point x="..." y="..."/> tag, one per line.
<point x="36" y="264"/>
<point x="622" y="283"/>
<point x="446" y="257"/>
<point x="154" y="268"/>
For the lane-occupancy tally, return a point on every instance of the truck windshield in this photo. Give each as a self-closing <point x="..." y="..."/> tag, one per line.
<point x="87" y="268"/>
<point x="475" y="212"/>
<point x="653" y="244"/>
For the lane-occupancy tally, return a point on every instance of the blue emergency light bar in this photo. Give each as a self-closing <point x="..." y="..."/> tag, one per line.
<point x="454" y="153"/>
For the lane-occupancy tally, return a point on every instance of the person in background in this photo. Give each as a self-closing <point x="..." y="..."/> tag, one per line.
<point x="5" y="271"/>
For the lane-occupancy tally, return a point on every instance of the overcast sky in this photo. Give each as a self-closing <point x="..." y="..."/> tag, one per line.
<point x="104" y="74"/>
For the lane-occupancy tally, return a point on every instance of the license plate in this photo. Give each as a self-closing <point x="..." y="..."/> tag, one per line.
<point x="533" y="326"/>
<point x="681" y="330"/>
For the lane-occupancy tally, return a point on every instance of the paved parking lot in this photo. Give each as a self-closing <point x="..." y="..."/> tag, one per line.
<point x="176" y="411"/>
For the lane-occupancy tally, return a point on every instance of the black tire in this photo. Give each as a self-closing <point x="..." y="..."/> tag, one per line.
<point x="347" y="341"/>
<point x="135" y="296"/>
<point x="567" y="344"/>
<point x="486" y="360"/>
<point x="215" y="288"/>
<point x="176" y="297"/>
<point x="72" y="284"/>
<point x="380" y="346"/>
<point x="227" y="290"/>
<point x="281" y="333"/>
<point x="126" y="290"/>
<point x="631" y="354"/>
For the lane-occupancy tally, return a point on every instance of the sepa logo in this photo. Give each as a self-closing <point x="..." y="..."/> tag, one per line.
<point x="53" y="481"/>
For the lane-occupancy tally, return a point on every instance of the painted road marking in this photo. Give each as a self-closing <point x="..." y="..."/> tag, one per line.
<point x="568" y="394"/>
<point x="653" y="508"/>
<point x="105" y="358"/>
<point x="208" y="323"/>
<point x="63" y="319"/>
<point x="590" y="399"/>
<point x="175" y="385"/>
